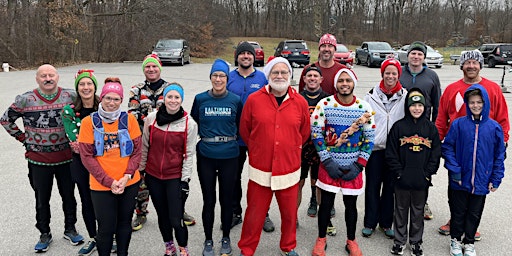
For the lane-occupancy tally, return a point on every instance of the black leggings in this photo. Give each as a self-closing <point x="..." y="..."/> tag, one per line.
<point x="166" y="196"/>
<point x="114" y="214"/>
<point x="324" y="213"/>
<point x="80" y="176"/>
<point x="226" y="171"/>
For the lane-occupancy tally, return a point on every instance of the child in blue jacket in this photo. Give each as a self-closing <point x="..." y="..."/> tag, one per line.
<point x="474" y="153"/>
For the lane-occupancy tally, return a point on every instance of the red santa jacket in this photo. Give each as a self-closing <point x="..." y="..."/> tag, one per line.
<point x="274" y="136"/>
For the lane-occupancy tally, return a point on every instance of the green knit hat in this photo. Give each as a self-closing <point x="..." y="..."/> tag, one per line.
<point x="153" y="58"/>
<point x="85" y="73"/>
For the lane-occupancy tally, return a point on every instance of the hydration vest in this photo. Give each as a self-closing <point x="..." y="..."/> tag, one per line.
<point x="125" y="142"/>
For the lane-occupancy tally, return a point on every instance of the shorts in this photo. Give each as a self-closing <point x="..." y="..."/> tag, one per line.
<point x="305" y="168"/>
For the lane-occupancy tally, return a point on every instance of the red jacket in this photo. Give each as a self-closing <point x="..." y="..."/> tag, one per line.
<point x="274" y="136"/>
<point x="167" y="150"/>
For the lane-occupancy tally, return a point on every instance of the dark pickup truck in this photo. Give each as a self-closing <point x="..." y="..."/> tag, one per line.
<point x="374" y="53"/>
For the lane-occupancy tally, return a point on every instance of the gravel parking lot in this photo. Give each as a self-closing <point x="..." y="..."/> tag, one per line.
<point x="19" y="234"/>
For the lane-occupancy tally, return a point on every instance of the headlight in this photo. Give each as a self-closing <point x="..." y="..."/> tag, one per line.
<point x="376" y="54"/>
<point x="176" y="53"/>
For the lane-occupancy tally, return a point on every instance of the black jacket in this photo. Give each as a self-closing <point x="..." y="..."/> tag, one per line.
<point x="413" y="150"/>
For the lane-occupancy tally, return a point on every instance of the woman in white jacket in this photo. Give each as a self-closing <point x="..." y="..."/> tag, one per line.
<point x="387" y="100"/>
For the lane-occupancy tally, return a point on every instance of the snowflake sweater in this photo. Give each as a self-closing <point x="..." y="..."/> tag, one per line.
<point x="44" y="137"/>
<point x="328" y="121"/>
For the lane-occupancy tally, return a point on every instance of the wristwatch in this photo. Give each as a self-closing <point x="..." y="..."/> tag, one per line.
<point x="129" y="176"/>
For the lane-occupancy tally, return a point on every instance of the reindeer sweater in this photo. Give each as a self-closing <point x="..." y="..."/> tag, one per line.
<point x="44" y="137"/>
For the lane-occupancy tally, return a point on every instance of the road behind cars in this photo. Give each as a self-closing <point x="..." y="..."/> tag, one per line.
<point x="19" y="234"/>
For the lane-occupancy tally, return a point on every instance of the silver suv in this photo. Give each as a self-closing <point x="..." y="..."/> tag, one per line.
<point x="173" y="51"/>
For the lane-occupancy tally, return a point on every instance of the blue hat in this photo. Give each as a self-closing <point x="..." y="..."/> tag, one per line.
<point x="220" y="65"/>
<point x="174" y="87"/>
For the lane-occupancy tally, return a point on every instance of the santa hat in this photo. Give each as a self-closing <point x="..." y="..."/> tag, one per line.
<point x="349" y="72"/>
<point x="273" y="62"/>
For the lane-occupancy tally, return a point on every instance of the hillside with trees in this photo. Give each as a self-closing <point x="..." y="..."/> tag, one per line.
<point x="68" y="31"/>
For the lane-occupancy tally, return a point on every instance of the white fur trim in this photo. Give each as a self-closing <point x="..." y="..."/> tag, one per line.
<point x="273" y="62"/>
<point x="280" y="182"/>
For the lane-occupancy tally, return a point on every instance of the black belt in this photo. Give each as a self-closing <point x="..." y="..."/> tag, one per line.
<point x="219" y="139"/>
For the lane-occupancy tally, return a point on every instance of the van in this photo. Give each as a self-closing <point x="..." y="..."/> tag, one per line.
<point x="173" y="51"/>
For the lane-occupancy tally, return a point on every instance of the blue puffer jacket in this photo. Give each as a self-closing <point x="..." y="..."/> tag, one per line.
<point x="474" y="150"/>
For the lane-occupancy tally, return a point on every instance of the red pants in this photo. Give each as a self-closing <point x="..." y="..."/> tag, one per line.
<point x="258" y="203"/>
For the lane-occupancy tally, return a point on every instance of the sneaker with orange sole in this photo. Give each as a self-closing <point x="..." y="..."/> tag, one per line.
<point x="445" y="230"/>
<point x="320" y="246"/>
<point x="353" y="248"/>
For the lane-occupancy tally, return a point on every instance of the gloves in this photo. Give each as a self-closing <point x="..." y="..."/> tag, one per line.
<point x="184" y="190"/>
<point x="351" y="171"/>
<point x="333" y="169"/>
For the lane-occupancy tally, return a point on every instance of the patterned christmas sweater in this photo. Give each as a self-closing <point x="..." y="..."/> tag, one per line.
<point x="337" y="134"/>
<point x="143" y="100"/>
<point x="330" y="119"/>
<point x="44" y="137"/>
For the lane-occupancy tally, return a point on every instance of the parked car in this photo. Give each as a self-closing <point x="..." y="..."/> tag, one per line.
<point x="295" y="51"/>
<point x="496" y="54"/>
<point x="343" y="55"/>
<point x="434" y="58"/>
<point x="259" y="59"/>
<point x="173" y="51"/>
<point x="374" y="53"/>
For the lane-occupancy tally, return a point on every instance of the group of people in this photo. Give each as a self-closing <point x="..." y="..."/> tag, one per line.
<point x="119" y="160"/>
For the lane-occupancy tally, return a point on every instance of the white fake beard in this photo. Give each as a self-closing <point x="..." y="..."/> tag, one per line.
<point x="279" y="86"/>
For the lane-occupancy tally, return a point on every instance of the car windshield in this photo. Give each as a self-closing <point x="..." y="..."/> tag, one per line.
<point x="295" y="45"/>
<point x="341" y="48"/>
<point x="380" y="46"/>
<point x="169" y="44"/>
<point x="430" y="49"/>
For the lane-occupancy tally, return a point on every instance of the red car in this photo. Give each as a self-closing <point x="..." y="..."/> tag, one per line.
<point x="343" y="55"/>
<point x="259" y="59"/>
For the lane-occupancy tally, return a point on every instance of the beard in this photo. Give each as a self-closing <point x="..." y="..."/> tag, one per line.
<point x="279" y="86"/>
<point x="245" y="66"/>
<point x="344" y="92"/>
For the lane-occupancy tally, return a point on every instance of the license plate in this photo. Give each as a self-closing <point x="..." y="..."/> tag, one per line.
<point x="295" y="53"/>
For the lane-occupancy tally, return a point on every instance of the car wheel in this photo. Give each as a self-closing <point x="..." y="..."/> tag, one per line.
<point x="368" y="62"/>
<point x="491" y="63"/>
<point x="182" y="62"/>
<point x="357" y="60"/>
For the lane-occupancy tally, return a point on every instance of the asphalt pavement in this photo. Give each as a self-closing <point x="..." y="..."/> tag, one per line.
<point x="19" y="235"/>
